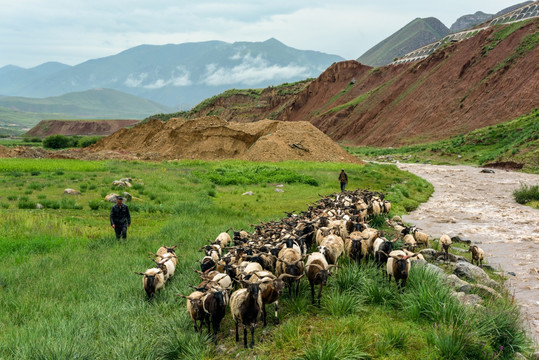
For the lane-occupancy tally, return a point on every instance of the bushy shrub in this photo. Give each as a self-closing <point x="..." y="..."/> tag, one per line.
<point x="94" y="204"/>
<point x="88" y="140"/>
<point x="526" y="194"/>
<point x="26" y="204"/>
<point x="66" y="203"/>
<point x="50" y="204"/>
<point x="57" y="142"/>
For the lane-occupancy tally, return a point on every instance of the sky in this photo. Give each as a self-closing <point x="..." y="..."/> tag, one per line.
<point x="33" y="32"/>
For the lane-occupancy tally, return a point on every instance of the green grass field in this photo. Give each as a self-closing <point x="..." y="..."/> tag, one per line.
<point x="67" y="288"/>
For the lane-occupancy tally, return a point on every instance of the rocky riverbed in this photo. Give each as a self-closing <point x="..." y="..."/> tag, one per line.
<point x="480" y="206"/>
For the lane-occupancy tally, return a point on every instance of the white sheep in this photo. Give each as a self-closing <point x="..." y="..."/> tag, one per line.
<point x="332" y="247"/>
<point x="445" y="241"/>
<point x="153" y="280"/>
<point x="477" y="254"/>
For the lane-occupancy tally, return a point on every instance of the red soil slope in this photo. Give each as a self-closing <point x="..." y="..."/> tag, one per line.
<point x="455" y="90"/>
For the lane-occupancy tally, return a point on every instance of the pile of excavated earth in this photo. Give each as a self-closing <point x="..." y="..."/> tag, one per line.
<point x="212" y="138"/>
<point x="207" y="138"/>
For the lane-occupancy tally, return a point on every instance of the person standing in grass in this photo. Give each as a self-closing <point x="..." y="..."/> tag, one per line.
<point x="343" y="178"/>
<point x="120" y="218"/>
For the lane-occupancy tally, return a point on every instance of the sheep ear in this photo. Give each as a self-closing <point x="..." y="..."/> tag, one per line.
<point x="138" y="273"/>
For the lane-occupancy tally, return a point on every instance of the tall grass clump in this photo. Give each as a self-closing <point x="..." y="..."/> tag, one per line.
<point x="26" y="204"/>
<point x="427" y="297"/>
<point x="342" y="303"/>
<point x="257" y="174"/>
<point x="526" y="193"/>
<point x="332" y="349"/>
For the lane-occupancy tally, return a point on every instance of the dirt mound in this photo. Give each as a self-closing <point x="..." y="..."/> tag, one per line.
<point x="504" y="165"/>
<point x="4" y="152"/>
<point x="212" y="138"/>
<point x="79" y="127"/>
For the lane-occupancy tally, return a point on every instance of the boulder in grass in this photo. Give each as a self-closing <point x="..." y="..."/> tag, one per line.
<point x="127" y="196"/>
<point x="119" y="183"/>
<point x="465" y="270"/>
<point x="71" y="192"/>
<point x="455" y="281"/>
<point x="112" y="197"/>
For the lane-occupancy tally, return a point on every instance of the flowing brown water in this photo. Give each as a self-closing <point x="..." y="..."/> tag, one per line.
<point x="480" y="207"/>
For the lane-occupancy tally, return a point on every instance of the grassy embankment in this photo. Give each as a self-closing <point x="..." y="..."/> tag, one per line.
<point x="516" y="141"/>
<point x="67" y="288"/>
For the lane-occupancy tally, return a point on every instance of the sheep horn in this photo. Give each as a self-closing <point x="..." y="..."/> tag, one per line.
<point x="315" y="265"/>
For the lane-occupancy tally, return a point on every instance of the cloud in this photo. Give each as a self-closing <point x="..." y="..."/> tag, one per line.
<point x="134" y="80"/>
<point x="179" y="77"/>
<point x="251" y="71"/>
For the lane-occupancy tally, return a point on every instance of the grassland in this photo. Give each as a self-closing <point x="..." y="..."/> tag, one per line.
<point x="67" y="288"/>
<point x="516" y="141"/>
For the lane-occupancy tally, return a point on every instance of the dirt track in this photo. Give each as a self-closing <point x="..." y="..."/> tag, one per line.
<point x="481" y="207"/>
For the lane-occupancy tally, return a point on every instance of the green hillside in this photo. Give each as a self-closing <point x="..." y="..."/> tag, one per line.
<point x="418" y="33"/>
<point x="91" y="104"/>
<point x="13" y="122"/>
<point x="514" y="141"/>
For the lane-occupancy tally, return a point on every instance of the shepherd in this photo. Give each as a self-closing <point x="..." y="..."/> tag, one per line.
<point x="343" y="178"/>
<point x="120" y="218"/>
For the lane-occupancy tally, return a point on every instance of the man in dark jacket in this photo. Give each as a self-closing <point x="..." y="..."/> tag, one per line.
<point x="343" y="178"/>
<point x="120" y="218"/>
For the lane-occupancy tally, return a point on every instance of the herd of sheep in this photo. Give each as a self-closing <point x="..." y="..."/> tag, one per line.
<point x="258" y="266"/>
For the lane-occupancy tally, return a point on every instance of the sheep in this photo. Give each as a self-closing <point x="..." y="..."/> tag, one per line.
<point x="213" y="251"/>
<point x="421" y="238"/>
<point x="398" y="265"/>
<point x="332" y="247"/>
<point x="321" y="233"/>
<point x="413" y="256"/>
<point x="409" y="241"/>
<point x="195" y="308"/>
<point x="245" y="306"/>
<point x="168" y="249"/>
<point x="290" y="262"/>
<point x="153" y="280"/>
<point x="271" y="288"/>
<point x="477" y="254"/>
<point x="166" y="266"/>
<point x="223" y="239"/>
<point x="317" y="271"/>
<point x="214" y="304"/>
<point x="207" y="263"/>
<point x="356" y="248"/>
<point x="445" y="241"/>
<point x="382" y="249"/>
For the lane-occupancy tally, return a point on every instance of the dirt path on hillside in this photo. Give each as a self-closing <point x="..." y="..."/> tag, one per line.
<point x="481" y="207"/>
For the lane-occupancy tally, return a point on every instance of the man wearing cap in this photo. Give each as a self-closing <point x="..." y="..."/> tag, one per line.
<point x="343" y="178"/>
<point x="120" y="218"/>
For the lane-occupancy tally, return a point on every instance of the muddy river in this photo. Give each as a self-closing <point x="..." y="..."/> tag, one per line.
<point x="480" y="207"/>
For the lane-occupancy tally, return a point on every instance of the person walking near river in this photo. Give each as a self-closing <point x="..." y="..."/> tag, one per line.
<point x="343" y="178"/>
<point x="120" y="218"/>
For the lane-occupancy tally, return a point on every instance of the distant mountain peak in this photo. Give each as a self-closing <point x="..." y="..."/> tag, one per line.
<point x="417" y="33"/>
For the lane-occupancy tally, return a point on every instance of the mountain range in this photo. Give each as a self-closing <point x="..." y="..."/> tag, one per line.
<point x="17" y="113"/>
<point x="176" y="75"/>
<point x="421" y="32"/>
